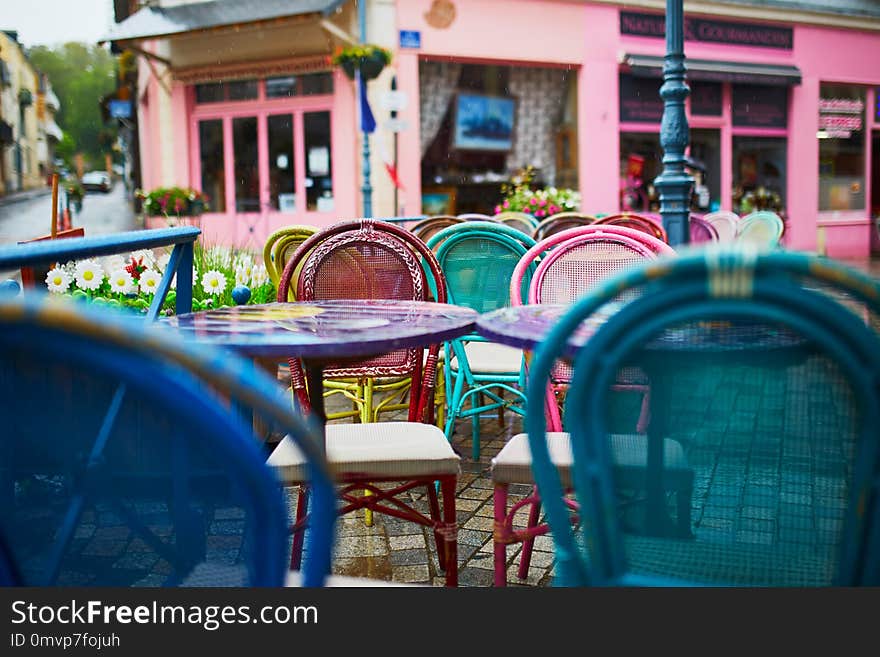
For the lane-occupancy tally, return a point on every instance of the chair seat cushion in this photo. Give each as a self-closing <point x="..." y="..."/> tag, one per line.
<point x="380" y="450"/>
<point x="491" y="358"/>
<point x="512" y="465"/>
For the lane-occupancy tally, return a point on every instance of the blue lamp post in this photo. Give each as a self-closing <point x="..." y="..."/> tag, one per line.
<point x="674" y="183"/>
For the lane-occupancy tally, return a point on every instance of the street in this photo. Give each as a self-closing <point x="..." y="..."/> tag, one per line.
<point x="32" y="217"/>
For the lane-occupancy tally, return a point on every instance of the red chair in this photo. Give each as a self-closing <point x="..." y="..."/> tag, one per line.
<point x="367" y="259"/>
<point x="643" y="222"/>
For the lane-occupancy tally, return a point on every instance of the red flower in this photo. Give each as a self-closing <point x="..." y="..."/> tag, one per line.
<point x="135" y="268"/>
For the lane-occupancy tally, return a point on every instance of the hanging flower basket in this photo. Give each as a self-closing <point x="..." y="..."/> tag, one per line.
<point x="371" y="60"/>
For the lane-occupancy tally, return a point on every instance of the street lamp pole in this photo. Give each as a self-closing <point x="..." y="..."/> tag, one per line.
<point x="674" y="183"/>
<point x="366" y="188"/>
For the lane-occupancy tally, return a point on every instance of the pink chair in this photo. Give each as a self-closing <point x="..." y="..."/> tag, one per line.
<point x="701" y="230"/>
<point x="569" y="264"/>
<point x="644" y="222"/>
<point x="725" y="222"/>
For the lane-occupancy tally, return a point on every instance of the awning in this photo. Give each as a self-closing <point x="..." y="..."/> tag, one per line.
<point x="152" y="22"/>
<point x="717" y="71"/>
<point x="52" y="130"/>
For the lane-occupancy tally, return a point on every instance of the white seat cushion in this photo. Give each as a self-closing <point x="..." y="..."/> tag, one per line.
<point x="380" y="449"/>
<point x="512" y="465"/>
<point x="491" y="358"/>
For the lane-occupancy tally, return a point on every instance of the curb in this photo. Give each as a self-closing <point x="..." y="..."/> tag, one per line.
<point x="18" y="197"/>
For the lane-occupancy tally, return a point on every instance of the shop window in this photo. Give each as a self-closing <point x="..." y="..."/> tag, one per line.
<point x="640" y="100"/>
<point x="705" y="98"/>
<point x="244" y="142"/>
<point x="281" y="171"/>
<point x="759" y="174"/>
<point x="211" y="160"/>
<point x="216" y="92"/>
<point x="759" y="106"/>
<point x="640" y="162"/>
<point x="310" y="84"/>
<point x="705" y="166"/>
<point x="319" y="180"/>
<point x="841" y="147"/>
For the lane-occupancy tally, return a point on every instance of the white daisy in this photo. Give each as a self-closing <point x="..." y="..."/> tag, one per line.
<point x="121" y="282"/>
<point x="89" y="274"/>
<point x="242" y="276"/>
<point x="259" y="275"/>
<point x="149" y="281"/>
<point x="114" y="262"/>
<point x="213" y="282"/>
<point x="146" y="255"/>
<point x="58" y="280"/>
<point x="162" y="262"/>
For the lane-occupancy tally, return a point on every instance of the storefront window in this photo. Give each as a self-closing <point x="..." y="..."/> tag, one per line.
<point x="281" y="171"/>
<point x="759" y="174"/>
<point x="705" y="167"/>
<point x="319" y="180"/>
<point x="310" y="84"/>
<point x="841" y="147"/>
<point x="640" y="162"/>
<point x="211" y="157"/>
<point x="216" y="92"/>
<point x="244" y="141"/>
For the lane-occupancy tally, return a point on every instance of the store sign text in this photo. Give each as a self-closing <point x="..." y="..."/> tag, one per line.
<point x="840" y="117"/>
<point x="711" y="31"/>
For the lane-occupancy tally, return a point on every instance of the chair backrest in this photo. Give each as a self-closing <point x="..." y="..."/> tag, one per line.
<point x="369" y="259"/>
<point x="141" y="474"/>
<point x="643" y="222"/>
<point x="520" y="220"/>
<point x="725" y="223"/>
<point x="426" y="228"/>
<point x="280" y="245"/>
<point x="701" y="231"/>
<point x="561" y="221"/>
<point x="477" y="260"/>
<point x="764" y="411"/>
<point x="543" y="247"/>
<point x="762" y="228"/>
<point x="475" y="216"/>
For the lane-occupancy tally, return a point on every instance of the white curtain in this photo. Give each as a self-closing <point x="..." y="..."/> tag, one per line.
<point x="437" y="83"/>
<point x="540" y="93"/>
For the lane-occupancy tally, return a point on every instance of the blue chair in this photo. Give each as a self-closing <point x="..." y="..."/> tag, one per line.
<point x="478" y="258"/>
<point x="763" y="374"/>
<point x="124" y="459"/>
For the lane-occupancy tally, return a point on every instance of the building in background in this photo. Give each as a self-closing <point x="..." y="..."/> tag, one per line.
<point x="240" y="100"/>
<point x="28" y="132"/>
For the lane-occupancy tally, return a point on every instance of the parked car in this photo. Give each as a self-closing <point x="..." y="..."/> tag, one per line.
<point x="97" y="181"/>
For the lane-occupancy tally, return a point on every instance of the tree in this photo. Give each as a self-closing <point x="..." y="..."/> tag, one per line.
<point x="80" y="75"/>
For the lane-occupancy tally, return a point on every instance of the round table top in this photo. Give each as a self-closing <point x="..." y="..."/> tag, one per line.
<point x="527" y="326"/>
<point x="326" y="329"/>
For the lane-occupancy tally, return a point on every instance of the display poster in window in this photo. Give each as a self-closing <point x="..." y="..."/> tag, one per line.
<point x="840" y="117"/>
<point x="319" y="161"/>
<point x="705" y="98"/>
<point x="759" y="106"/>
<point x="640" y="100"/>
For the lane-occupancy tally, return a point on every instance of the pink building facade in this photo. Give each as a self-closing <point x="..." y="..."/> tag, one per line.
<point x="783" y="103"/>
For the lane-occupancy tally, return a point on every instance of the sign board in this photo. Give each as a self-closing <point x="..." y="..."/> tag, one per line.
<point x="840" y="117"/>
<point x="709" y="30"/>
<point x="705" y="98"/>
<point x="759" y="106"/>
<point x="395" y="101"/>
<point x="640" y="100"/>
<point x="410" y="39"/>
<point x="120" y="109"/>
<point x="396" y="125"/>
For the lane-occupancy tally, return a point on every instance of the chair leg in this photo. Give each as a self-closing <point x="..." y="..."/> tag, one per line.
<point x="434" y="507"/>
<point x="449" y="530"/>
<point x="526" y="557"/>
<point x="366" y="416"/>
<point x="501" y="411"/>
<point x="302" y="504"/>
<point x="499" y="501"/>
<point x="476" y="402"/>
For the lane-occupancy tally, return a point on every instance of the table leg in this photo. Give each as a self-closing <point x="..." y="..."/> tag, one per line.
<point x="658" y="522"/>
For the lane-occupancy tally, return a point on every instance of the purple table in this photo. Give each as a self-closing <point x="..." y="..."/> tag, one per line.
<point x="321" y="332"/>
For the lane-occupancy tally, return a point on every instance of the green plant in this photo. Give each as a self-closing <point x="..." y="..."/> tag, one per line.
<point x="75" y="191"/>
<point x="358" y="53"/>
<point x="130" y="282"/>
<point x="173" y="201"/>
<point x="520" y="197"/>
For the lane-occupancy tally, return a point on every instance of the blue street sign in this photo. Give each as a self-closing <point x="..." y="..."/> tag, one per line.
<point x="410" y="39"/>
<point x="120" y="109"/>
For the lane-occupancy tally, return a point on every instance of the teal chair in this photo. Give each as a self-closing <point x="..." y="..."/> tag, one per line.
<point x="767" y="381"/>
<point x="478" y="258"/>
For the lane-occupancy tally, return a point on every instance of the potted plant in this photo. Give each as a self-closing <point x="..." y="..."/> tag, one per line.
<point x="75" y="192"/>
<point x="519" y="196"/>
<point x="368" y="58"/>
<point x="173" y="201"/>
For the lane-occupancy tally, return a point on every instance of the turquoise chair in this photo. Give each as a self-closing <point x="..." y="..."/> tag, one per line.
<point x="478" y="259"/>
<point x="769" y="384"/>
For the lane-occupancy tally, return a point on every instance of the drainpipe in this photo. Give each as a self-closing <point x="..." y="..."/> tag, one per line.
<point x="367" y="188"/>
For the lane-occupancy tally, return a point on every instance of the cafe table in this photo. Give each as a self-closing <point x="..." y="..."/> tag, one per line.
<point x="324" y="332"/>
<point x="697" y="343"/>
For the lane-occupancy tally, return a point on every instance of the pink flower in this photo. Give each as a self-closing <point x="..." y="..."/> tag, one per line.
<point x="542" y="202"/>
<point x="533" y="201"/>
<point x="553" y="209"/>
<point x="540" y="213"/>
<point x="506" y="204"/>
<point x="497" y="209"/>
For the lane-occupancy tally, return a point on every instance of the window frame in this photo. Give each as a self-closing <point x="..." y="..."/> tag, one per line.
<point x="261" y="109"/>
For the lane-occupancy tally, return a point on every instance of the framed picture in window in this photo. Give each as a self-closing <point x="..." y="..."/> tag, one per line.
<point x="566" y="149"/>
<point x="438" y="200"/>
<point x="483" y="123"/>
